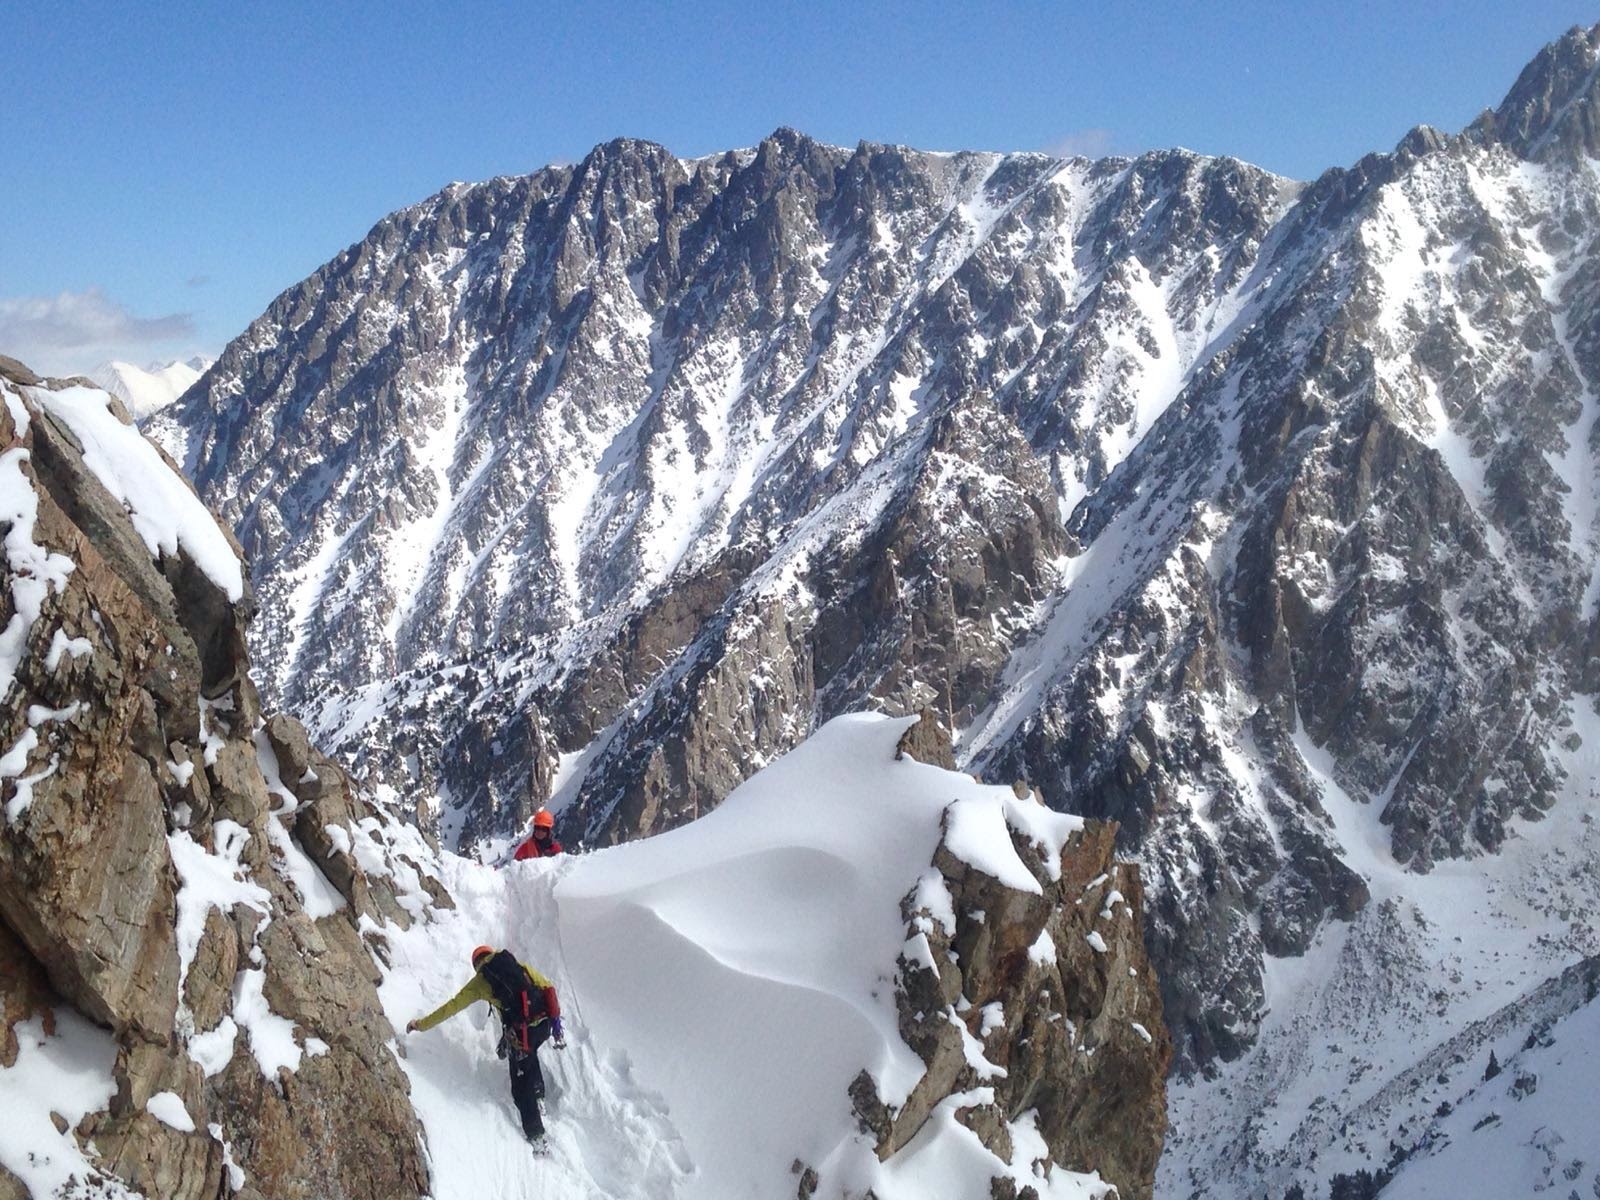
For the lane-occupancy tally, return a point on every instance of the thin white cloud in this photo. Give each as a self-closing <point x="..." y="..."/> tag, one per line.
<point x="72" y="332"/>
<point x="1082" y="143"/>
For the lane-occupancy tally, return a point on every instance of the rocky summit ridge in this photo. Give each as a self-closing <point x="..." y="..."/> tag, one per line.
<point x="1258" y="516"/>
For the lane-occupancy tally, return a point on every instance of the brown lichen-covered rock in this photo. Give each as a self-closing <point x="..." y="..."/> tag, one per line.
<point x="155" y="1159"/>
<point x="927" y="742"/>
<point x="1056" y="987"/>
<point x="144" y="1151"/>
<point x="294" y="752"/>
<point x="85" y="880"/>
<point x="134" y="722"/>
<point x="237" y="790"/>
<point x="208" y="988"/>
<point x="11" y="1188"/>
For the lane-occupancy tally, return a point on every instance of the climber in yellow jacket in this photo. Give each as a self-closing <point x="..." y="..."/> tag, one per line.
<point x="529" y="1014"/>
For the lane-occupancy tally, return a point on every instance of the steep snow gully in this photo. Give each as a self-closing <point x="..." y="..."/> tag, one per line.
<point x="715" y="1017"/>
<point x="609" y="1135"/>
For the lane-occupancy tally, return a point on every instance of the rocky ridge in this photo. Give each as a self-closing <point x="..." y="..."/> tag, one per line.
<point x="167" y="855"/>
<point x="1199" y="499"/>
<point x="1034" y="1001"/>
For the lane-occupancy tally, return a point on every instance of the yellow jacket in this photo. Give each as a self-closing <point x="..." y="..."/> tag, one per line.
<point x="478" y="988"/>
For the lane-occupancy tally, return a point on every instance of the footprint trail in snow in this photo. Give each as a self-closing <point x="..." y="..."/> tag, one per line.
<point x="609" y="1137"/>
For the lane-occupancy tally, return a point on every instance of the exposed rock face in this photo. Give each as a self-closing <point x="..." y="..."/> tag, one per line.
<point x="1194" y="497"/>
<point x="151" y="861"/>
<point x="1046" y="999"/>
<point x="927" y="743"/>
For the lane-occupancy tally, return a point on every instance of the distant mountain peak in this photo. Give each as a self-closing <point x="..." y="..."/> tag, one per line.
<point x="1553" y="104"/>
<point x="147" y="390"/>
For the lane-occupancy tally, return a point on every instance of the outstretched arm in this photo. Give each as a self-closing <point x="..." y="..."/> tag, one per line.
<point x="477" y="988"/>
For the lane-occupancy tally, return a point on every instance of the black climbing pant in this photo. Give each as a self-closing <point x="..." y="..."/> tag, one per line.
<point x="527" y="1082"/>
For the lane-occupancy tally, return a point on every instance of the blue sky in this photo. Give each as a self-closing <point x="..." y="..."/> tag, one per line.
<point x="172" y="166"/>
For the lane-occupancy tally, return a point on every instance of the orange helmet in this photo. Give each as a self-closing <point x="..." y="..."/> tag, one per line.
<point x="481" y="953"/>
<point x="543" y="820"/>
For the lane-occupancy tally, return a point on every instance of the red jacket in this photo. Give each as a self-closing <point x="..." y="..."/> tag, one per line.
<point x="532" y="849"/>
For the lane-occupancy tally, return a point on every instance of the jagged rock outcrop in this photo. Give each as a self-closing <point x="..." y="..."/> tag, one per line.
<point x="157" y="876"/>
<point x="1034" y="1000"/>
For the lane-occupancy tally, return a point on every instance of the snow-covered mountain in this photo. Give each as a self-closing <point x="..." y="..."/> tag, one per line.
<point x="1530" y="1121"/>
<point x="620" y="478"/>
<point x="147" y="390"/>
<point x="1376" y="1040"/>
<point x="1259" y="516"/>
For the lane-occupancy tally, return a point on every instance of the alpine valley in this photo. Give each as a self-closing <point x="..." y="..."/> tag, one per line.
<point x="1261" y="517"/>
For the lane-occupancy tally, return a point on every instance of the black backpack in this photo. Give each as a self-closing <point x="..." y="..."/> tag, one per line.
<point x="521" y="1003"/>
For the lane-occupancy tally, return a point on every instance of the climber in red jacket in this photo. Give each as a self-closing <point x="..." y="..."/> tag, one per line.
<point x="541" y="842"/>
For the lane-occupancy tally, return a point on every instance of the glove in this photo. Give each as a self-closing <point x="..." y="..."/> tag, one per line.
<point x="412" y="1027"/>
<point x="557" y="1035"/>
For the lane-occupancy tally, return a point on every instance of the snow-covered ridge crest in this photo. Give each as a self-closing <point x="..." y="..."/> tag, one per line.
<point x="165" y="511"/>
<point x="756" y="996"/>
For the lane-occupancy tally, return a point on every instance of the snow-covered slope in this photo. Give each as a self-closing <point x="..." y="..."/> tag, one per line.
<point x="1532" y="1126"/>
<point x="147" y="390"/>
<point x="1384" y="1027"/>
<point x="723" y="984"/>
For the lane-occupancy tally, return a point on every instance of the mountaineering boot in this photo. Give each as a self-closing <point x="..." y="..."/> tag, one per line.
<point x="540" y="1145"/>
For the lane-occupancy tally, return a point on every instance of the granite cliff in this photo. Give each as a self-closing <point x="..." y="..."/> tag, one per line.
<point x="167" y="855"/>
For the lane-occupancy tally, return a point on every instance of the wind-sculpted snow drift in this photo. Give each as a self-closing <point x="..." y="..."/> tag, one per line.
<point x="862" y="973"/>
<point x="789" y="998"/>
